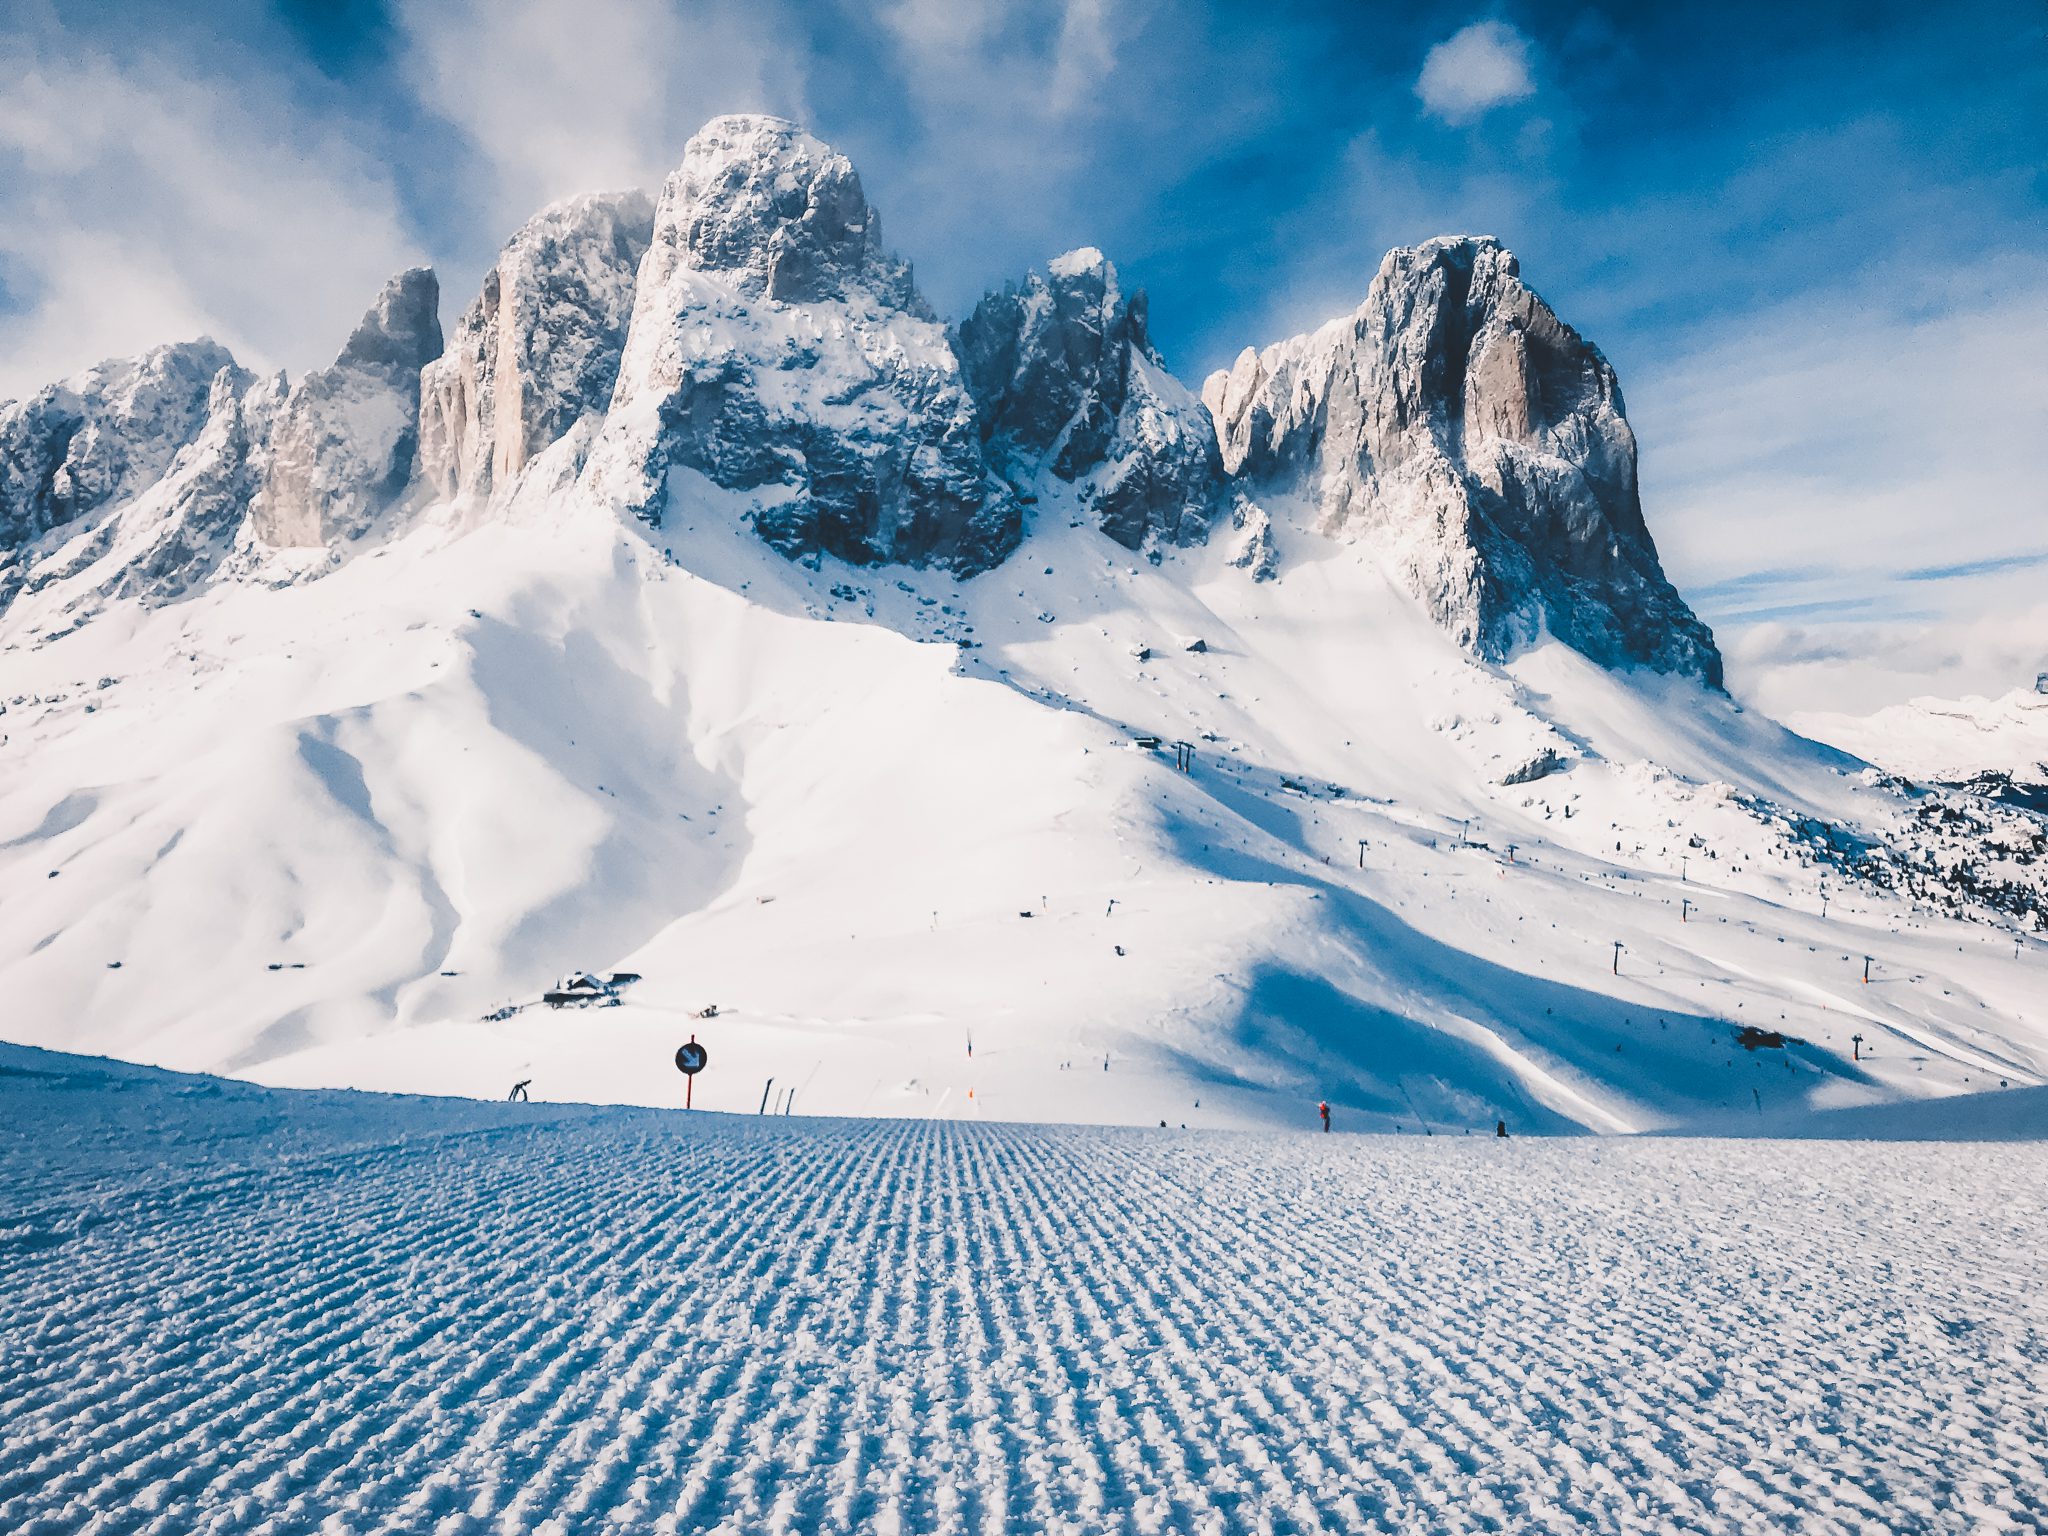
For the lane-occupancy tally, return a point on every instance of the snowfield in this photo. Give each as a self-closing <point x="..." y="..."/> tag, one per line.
<point x="1947" y="738"/>
<point x="224" y="1308"/>
<point x="327" y="834"/>
<point x="936" y="723"/>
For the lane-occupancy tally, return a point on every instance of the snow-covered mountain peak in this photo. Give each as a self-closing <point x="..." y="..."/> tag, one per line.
<point x="100" y="436"/>
<point x="1478" y="443"/>
<point x="1948" y="740"/>
<point x="776" y="352"/>
<point x="1068" y="386"/>
<point x="779" y="213"/>
<point x="343" y="445"/>
<point x="539" y="348"/>
<point x="1084" y="258"/>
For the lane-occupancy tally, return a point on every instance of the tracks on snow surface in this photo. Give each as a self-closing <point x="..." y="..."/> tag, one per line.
<point x="226" y="1310"/>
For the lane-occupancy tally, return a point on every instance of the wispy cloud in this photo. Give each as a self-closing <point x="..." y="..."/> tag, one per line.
<point x="1967" y="569"/>
<point x="143" y="205"/>
<point x="557" y="97"/>
<point x="1790" y="668"/>
<point x="1476" y="69"/>
<point x="1873" y="456"/>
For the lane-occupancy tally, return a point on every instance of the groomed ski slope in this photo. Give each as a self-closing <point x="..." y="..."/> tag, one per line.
<point x="230" y="1309"/>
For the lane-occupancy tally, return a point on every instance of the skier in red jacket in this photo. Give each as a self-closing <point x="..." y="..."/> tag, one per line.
<point x="1324" y="1109"/>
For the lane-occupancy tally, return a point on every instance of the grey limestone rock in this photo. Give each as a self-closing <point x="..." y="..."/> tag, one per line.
<point x="539" y="349"/>
<point x="343" y="445"/>
<point x="1457" y="423"/>
<point x="1068" y="383"/>
<point x="777" y="351"/>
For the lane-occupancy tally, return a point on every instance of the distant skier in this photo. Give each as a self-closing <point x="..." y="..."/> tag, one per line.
<point x="1324" y="1109"/>
<point x="518" y="1093"/>
<point x="1500" y="1129"/>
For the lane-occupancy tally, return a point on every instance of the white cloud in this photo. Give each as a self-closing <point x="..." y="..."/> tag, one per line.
<point x="1475" y="70"/>
<point x="1850" y="489"/>
<point x="1007" y="102"/>
<point x="1085" y="55"/>
<point x="1856" y="669"/>
<point x="144" y="207"/>
<point x="567" y="96"/>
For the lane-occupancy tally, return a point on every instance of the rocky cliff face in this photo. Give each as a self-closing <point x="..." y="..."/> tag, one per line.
<point x="101" y="437"/>
<point x="1456" y="422"/>
<point x="191" y="519"/>
<point x="749" y="342"/>
<point x="183" y="528"/>
<point x="779" y="352"/>
<point x="539" y="349"/>
<point x="344" y="441"/>
<point x="1067" y="383"/>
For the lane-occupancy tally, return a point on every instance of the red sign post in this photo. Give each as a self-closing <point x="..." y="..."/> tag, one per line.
<point x="690" y="1061"/>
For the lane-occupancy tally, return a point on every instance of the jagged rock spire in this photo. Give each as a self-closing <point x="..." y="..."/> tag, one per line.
<point x="539" y="349"/>
<point x="1066" y="380"/>
<point x="343" y="445"/>
<point x="777" y="352"/>
<point x="1457" y="423"/>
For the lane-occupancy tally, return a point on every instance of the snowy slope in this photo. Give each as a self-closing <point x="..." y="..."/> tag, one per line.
<point x="1948" y="739"/>
<point x="323" y="829"/>
<point x="831" y="671"/>
<point x="231" y="1310"/>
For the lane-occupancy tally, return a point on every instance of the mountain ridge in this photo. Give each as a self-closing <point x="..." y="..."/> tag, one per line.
<point x="932" y="706"/>
<point x="1498" y="546"/>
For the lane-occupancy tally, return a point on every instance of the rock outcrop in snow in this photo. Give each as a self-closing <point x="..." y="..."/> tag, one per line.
<point x="102" y="436"/>
<point x="777" y="351"/>
<point x="749" y="344"/>
<point x="1068" y="383"/>
<point x="1458" y="423"/>
<point x="539" y="349"/>
<point x="343" y="445"/>
<point x="180" y="530"/>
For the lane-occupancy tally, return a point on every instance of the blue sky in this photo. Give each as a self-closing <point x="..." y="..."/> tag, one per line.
<point x="1809" y="236"/>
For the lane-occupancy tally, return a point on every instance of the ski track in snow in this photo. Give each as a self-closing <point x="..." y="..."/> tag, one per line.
<point x="223" y="1309"/>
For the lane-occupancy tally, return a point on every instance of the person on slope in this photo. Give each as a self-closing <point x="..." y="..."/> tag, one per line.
<point x="1324" y="1110"/>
